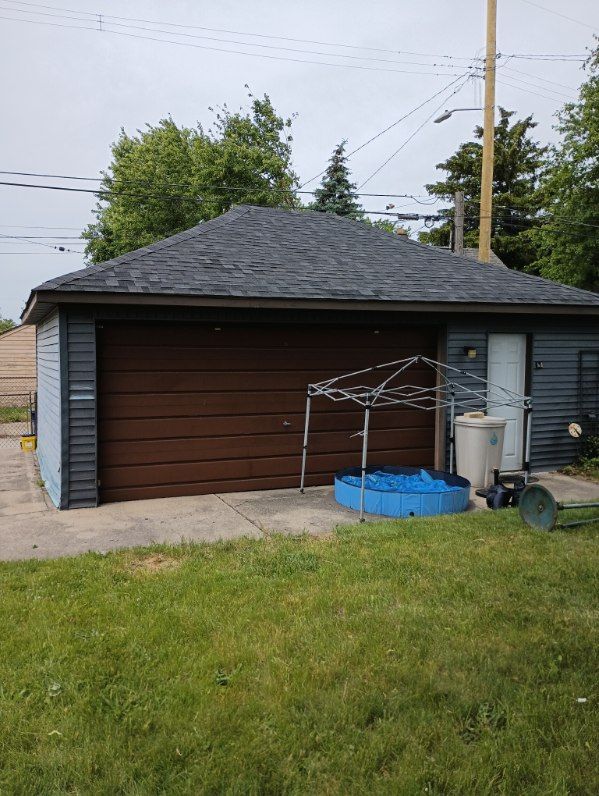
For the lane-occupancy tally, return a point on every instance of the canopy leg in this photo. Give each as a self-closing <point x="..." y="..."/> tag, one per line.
<point x="364" y="458"/>
<point x="528" y="443"/>
<point x="451" y="431"/>
<point x="305" y="448"/>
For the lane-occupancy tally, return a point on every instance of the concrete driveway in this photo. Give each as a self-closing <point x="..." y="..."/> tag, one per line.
<point x="30" y="526"/>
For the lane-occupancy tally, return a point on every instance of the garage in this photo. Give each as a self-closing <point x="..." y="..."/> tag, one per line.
<point x="182" y="368"/>
<point x="192" y="408"/>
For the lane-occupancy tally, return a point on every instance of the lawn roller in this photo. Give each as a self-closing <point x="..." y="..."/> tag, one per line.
<point x="539" y="509"/>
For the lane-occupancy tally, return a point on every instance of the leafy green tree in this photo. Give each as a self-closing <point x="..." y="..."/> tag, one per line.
<point x="384" y="224"/>
<point x="337" y="193"/>
<point x="6" y="324"/>
<point x="518" y="161"/>
<point x="168" y="178"/>
<point x="568" y="239"/>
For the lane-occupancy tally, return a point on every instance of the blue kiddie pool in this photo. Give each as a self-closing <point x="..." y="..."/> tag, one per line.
<point x="402" y="491"/>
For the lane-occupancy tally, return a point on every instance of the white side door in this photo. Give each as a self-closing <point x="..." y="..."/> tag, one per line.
<point x="507" y="368"/>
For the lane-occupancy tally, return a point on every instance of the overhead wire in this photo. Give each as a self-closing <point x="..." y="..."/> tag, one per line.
<point x="558" y="14"/>
<point x="413" y="134"/>
<point x="102" y="20"/>
<point x="229" y="51"/>
<point x="187" y="26"/>
<point x="391" y="126"/>
<point x="22" y="239"/>
<point x="105" y="22"/>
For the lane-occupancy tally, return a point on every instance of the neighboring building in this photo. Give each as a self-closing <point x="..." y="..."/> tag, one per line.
<point x="182" y="368"/>
<point x="17" y="365"/>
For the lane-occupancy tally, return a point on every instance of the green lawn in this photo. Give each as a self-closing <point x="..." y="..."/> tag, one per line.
<point x="416" y="657"/>
<point x="13" y="414"/>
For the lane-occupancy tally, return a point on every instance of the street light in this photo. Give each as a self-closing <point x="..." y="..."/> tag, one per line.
<point x="446" y="114"/>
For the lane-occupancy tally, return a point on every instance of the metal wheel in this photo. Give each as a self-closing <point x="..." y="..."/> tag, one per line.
<point x="538" y="507"/>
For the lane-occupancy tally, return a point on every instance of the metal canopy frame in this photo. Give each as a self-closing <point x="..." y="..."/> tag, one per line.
<point x="448" y="393"/>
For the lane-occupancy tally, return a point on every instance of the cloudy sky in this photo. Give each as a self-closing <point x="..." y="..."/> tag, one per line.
<point x="73" y="78"/>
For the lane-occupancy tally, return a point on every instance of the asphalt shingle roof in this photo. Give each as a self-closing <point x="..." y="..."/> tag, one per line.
<point x="258" y="252"/>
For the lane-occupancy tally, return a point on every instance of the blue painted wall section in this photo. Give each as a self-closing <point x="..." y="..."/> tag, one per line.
<point x="554" y="344"/>
<point x="68" y="446"/>
<point x="49" y="422"/>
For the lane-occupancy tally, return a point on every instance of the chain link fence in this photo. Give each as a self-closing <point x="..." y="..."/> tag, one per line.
<point x="17" y="414"/>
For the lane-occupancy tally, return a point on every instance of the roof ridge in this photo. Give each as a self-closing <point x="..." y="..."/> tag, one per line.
<point x="199" y="229"/>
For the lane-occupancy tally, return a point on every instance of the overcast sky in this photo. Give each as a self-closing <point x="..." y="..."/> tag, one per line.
<point x="67" y="92"/>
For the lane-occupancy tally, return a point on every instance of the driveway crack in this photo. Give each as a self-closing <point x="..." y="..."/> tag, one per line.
<point x="242" y="515"/>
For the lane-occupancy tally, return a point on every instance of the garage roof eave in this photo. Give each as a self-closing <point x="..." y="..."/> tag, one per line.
<point x="40" y="303"/>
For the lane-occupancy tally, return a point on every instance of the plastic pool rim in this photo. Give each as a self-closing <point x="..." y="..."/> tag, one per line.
<point x="389" y="503"/>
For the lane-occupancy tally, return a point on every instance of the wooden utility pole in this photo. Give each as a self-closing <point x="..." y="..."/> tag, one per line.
<point x="458" y="223"/>
<point x="486" y="190"/>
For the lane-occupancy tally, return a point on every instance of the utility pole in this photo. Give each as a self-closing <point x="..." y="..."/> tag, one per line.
<point x="458" y="223"/>
<point x="486" y="191"/>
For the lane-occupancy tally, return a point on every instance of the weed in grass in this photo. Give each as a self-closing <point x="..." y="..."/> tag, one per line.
<point x="485" y="717"/>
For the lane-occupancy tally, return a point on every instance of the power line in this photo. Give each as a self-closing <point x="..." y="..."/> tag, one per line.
<point x="518" y="79"/>
<point x="21" y="239"/>
<point x="568" y="58"/>
<point x="33" y="226"/>
<point x="506" y="68"/>
<point x="411" y="136"/>
<point x="66" y="251"/>
<point x="558" y="14"/>
<point x="226" y="41"/>
<point x="97" y="16"/>
<point x="263" y="189"/>
<point x="45" y="237"/>
<point x="390" y="127"/>
<point x="188" y="26"/>
<point x="224" y="50"/>
<point x="536" y="93"/>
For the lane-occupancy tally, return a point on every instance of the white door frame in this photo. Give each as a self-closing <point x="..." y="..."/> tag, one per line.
<point x="515" y="380"/>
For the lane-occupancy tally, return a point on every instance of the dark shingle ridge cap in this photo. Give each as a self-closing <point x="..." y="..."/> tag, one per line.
<point x="200" y="229"/>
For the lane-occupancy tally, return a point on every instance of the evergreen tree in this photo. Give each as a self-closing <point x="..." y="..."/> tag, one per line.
<point x="337" y="194"/>
<point x="518" y="160"/>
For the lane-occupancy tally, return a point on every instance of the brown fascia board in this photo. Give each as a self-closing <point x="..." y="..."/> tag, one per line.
<point x="51" y="298"/>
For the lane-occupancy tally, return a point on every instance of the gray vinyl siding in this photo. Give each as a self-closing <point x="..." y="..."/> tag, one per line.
<point x="554" y="387"/>
<point x="81" y="348"/>
<point x="49" y="407"/>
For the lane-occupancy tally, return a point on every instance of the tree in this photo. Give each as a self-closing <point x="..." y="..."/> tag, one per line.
<point x="168" y="178"/>
<point x="6" y="324"/>
<point x="337" y="193"/>
<point x="518" y="161"/>
<point x="567" y="241"/>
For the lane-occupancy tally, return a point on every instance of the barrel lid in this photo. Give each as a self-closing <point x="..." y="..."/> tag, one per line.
<point x="486" y="420"/>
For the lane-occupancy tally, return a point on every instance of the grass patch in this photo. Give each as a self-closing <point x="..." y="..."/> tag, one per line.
<point x="423" y="656"/>
<point x="13" y="414"/>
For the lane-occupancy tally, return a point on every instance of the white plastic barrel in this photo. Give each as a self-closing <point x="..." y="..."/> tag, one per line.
<point x="478" y="447"/>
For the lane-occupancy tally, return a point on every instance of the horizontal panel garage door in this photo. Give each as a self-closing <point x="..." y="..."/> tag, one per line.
<point x="188" y="409"/>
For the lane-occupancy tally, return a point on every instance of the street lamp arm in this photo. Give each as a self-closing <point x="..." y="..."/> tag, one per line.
<point x="448" y="113"/>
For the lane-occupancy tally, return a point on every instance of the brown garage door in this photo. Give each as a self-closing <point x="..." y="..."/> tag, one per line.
<point x="189" y="409"/>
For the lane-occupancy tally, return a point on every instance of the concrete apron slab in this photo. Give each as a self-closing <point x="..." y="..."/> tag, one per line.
<point x="288" y="511"/>
<point x="30" y="527"/>
<point x="170" y="520"/>
<point x="19" y="490"/>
